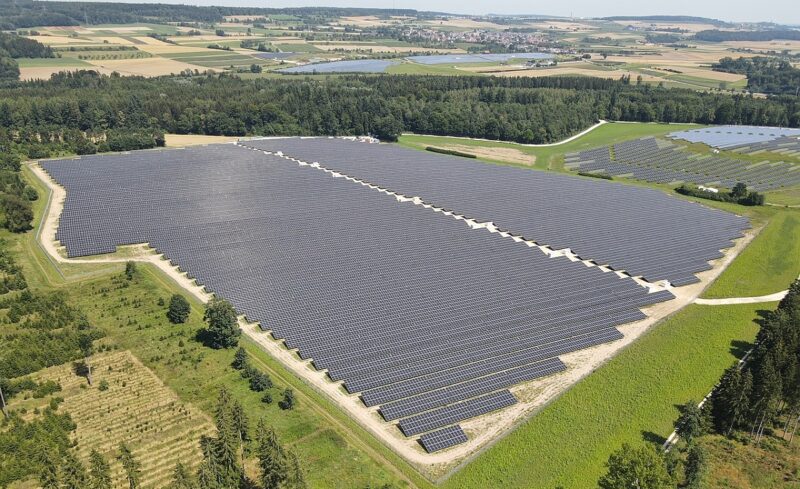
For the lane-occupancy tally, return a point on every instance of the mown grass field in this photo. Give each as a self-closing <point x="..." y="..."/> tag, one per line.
<point x="633" y="398"/>
<point x="552" y="157"/>
<point x="768" y="265"/>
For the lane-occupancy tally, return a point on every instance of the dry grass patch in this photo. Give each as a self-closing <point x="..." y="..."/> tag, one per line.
<point x="146" y="66"/>
<point x="183" y="140"/>
<point x="509" y="155"/>
<point x="137" y="408"/>
<point x="54" y="40"/>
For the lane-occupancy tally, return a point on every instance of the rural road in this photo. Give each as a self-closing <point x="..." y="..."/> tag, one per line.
<point x="742" y="300"/>
<point x="558" y="143"/>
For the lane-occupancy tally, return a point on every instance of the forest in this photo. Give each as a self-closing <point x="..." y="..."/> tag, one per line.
<point x="764" y="75"/>
<point x="26" y="13"/>
<point x="84" y="112"/>
<point x="765" y="35"/>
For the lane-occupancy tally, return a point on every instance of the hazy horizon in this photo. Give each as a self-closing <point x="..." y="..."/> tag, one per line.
<point x="778" y="11"/>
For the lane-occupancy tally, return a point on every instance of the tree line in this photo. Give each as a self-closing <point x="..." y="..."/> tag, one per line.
<point x="86" y="112"/>
<point x="764" y="74"/>
<point x="16" y="14"/>
<point x="714" y="35"/>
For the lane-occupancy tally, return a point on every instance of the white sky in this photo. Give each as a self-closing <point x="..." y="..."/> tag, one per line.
<point x="780" y="11"/>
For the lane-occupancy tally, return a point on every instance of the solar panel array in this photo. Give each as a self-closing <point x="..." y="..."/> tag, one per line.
<point x="345" y="66"/>
<point x="437" y="59"/>
<point x="725" y="137"/>
<point x="658" y="161"/>
<point x="641" y="231"/>
<point x="409" y="307"/>
<point x="785" y="145"/>
<point x="443" y="438"/>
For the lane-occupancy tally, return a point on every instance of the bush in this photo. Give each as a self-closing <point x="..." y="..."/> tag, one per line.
<point x="267" y="398"/>
<point x="103" y="386"/>
<point x="451" y="152"/>
<point x="595" y="175"/>
<point x="130" y="270"/>
<point x="288" y="401"/>
<point x="259" y="381"/>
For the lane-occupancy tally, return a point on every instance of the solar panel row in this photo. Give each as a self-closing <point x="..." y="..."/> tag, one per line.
<point x="443" y="438"/>
<point x="454" y="413"/>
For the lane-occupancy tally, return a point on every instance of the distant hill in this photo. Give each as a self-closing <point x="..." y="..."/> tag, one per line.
<point x="669" y="18"/>
<point x="760" y="35"/>
<point x="28" y="13"/>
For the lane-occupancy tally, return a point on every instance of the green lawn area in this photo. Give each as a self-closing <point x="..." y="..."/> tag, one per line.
<point x="630" y="399"/>
<point x="409" y="68"/>
<point x="769" y="264"/>
<point x="66" y="62"/>
<point x="550" y="156"/>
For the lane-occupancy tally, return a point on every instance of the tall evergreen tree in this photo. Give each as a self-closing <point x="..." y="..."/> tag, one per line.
<point x="133" y="468"/>
<point x="181" y="478"/>
<point x="294" y="478"/>
<point x="271" y="458"/>
<point x="86" y="344"/>
<point x="99" y="471"/>
<point x="208" y="474"/>
<point x="48" y="477"/>
<point x="73" y="473"/>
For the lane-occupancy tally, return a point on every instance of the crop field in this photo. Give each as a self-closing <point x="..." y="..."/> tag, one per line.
<point x="136" y="408"/>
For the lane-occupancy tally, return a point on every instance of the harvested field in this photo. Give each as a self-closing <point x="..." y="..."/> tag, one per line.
<point x="44" y="72"/>
<point x="580" y="71"/>
<point x="704" y="73"/>
<point x="55" y="40"/>
<point x="145" y="67"/>
<point x="510" y="155"/>
<point x="138" y="409"/>
<point x="151" y="41"/>
<point x="121" y="29"/>
<point x="114" y="40"/>
<point x="174" y="48"/>
<point x="183" y="140"/>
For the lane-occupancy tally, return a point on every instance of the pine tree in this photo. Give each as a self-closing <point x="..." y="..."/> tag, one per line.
<point x="240" y="359"/>
<point x="271" y="458"/>
<point x="228" y="441"/>
<point x="288" y="401"/>
<point x="73" y="474"/>
<point x="695" y="466"/>
<point x="130" y="270"/>
<point x="133" y="469"/>
<point x="181" y="479"/>
<point x="691" y="423"/>
<point x="294" y="478"/>
<point x="99" y="471"/>
<point x="48" y="477"/>
<point x="208" y="474"/>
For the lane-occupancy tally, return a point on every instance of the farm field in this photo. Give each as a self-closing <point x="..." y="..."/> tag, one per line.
<point x="136" y="407"/>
